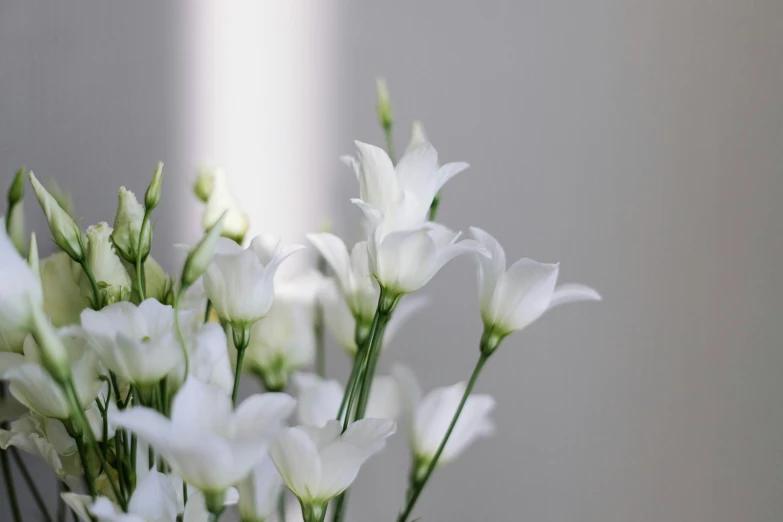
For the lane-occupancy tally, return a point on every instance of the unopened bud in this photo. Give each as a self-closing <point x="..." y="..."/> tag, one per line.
<point x="201" y="256"/>
<point x="204" y="183"/>
<point x="32" y="257"/>
<point x="53" y="354"/>
<point x="16" y="227"/>
<point x="152" y="197"/>
<point x="114" y="283"/>
<point x="385" y="115"/>
<point x="16" y="190"/>
<point x="418" y="136"/>
<point x="64" y="230"/>
<point x="127" y="228"/>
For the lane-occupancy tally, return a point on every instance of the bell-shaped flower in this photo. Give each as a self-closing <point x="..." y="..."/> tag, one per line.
<point x="284" y="340"/>
<point x="212" y="187"/>
<point x="432" y="415"/>
<point x="259" y="492"/>
<point x="341" y="323"/>
<point x="405" y="260"/>
<point x="62" y="300"/>
<point x="137" y="343"/>
<point x="126" y="235"/>
<point x="317" y="464"/>
<point x="33" y="386"/>
<point x="415" y="180"/>
<point x="511" y="299"/>
<point x="240" y="282"/>
<point x="114" y="283"/>
<point x="48" y="440"/>
<point x="352" y="272"/>
<point x="20" y="292"/>
<point x="206" y="442"/>
<point x="318" y="399"/>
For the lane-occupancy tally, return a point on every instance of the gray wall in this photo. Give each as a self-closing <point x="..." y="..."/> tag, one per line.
<point x="639" y="143"/>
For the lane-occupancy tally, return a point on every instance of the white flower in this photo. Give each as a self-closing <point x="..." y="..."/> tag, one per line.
<point x="137" y="343"/>
<point x="411" y="185"/>
<point x="240" y="282"/>
<point x="114" y="283"/>
<point x="512" y="299"/>
<point x="61" y="294"/>
<point x="47" y="440"/>
<point x="127" y="228"/>
<point x="284" y="340"/>
<point x="219" y="200"/>
<point x="205" y="442"/>
<point x="317" y="464"/>
<point x="352" y="272"/>
<point x="20" y="292"/>
<point x="319" y="399"/>
<point x="341" y="323"/>
<point x="432" y="415"/>
<point x="153" y="500"/>
<point x="405" y="260"/>
<point x="259" y="492"/>
<point x="33" y="386"/>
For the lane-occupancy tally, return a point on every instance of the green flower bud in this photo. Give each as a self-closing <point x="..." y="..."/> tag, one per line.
<point x="15" y="226"/>
<point x="152" y="197"/>
<point x="127" y="228"/>
<point x="114" y="283"/>
<point x="201" y="256"/>
<point x="32" y="256"/>
<point x="16" y="190"/>
<point x="385" y="115"/>
<point x="64" y="230"/>
<point x="61" y="196"/>
<point x="204" y="183"/>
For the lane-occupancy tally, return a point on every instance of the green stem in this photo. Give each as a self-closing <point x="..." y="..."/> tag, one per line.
<point x="434" y="207"/>
<point x="418" y="482"/>
<point x="339" y="506"/>
<point x="96" y="293"/>
<point x="28" y="479"/>
<point x="320" y="340"/>
<point x="134" y="439"/>
<point x="350" y="386"/>
<point x="140" y="280"/>
<point x="362" y="361"/>
<point x="281" y="506"/>
<point x="88" y="477"/>
<point x="207" y="310"/>
<point x="62" y="508"/>
<point x="10" y="487"/>
<point x="387" y="132"/>
<point x="241" y="340"/>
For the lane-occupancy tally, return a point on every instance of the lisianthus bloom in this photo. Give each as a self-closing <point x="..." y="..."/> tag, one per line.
<point x="317" y="464"/>
<point x="33" y="386"/>
<point x="206" y="442"/>
<point x="240" y="282"/>
<point x="318" y="399"/>
<point x="432" y="414"/>
<point x="511" y="299"/>
<point x="259" y="492"/>
<point x="114" y="283"/>
<point x="138" y="343"/>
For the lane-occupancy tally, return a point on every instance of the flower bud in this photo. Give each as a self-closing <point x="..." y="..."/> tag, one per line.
<point x="64" y="230"/>
<point x="53" y="353"/>
<point x="385" y="116"/>
<point x="152" y="197"/>
<point x="16" y="190"/>
<point x="32" y="257"/>
<point x="61" y="196"/>
<point x="204" y="182"/>
<point x="114" y="283"/>
<point x="201" y="256"/>
<point x="16" y="228"/>
<point x="220" y="201"/>
<point x="418" y="136"/>
<point x="127" y="228"/>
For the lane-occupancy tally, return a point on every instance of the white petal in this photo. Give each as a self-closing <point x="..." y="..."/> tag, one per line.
<point x="199" y="406"/>
<point x="79" y="504"/>
<point x="489" y="268"/>
<point x="369" y="435"/>
<point x="523" y="294"/>
<point x="571" y="293"/>
<point x="262" y="413"/>
<point x="334" y="251"/>
<point x="296" y="458"/>
<point x="154" y="498"/>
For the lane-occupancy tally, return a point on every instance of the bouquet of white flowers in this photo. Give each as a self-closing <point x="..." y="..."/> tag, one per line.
<point x="127" y="378"/>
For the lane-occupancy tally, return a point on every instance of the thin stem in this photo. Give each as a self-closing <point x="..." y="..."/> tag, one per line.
<point x="387" y="132"/>
<point x="140" y="279"/>
<point x="418" y="482"/>
<point x="241" y="340"/>
<point x="350" y="386"/>
<point x="207" y="310"/>
<point x="8" y="478"/>
<point x="320" y="338"/>
<point x="28" y="479"/>
<point x="184" y="492"/>
<point x="386" y="305"/>
<point x="62" y="508"/>
<point x="339" y="506"/>
<point x="88" y="478"/>
<point x="134" y="442"/>
<point x="281" y="506"/>
<point x="362" y="361"/>
<point x="96" y="293"/>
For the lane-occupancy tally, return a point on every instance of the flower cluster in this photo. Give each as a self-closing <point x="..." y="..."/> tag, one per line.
<point x="125" y="379"/>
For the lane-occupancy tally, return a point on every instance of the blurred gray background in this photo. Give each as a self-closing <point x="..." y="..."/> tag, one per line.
<point x="639" y="143"/>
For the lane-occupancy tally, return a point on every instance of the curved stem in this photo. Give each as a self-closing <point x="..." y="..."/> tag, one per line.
<point x="241" y="340"/>
<point x="96" y="293"/>
<point x="418" y="483"/>
<point x="140" y="282"/>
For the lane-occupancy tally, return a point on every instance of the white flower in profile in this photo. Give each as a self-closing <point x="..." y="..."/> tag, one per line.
<point x="259" y="492"/>
<point x="284" y="340"/>
<point x="208" y="444"/>
<point x="352" y="273"/>
<point x="62" y="300"/>
<point x="138" y="343"/>
<point x="318" y="399"/>
<point x="342" y="324"/>
<point x="317" y="464"/>
<point x="431" y="416"/>
<point x="48" y="440"/>
<point x="20" y="292"/>
<point x="240" y="282"/>
<point x="212" y="187"/>
<point x="127" y="228"/>
<point x="32" y="385"/>
<point x="511" y="299"/>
